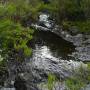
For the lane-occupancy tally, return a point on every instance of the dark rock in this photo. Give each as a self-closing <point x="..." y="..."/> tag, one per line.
<point x="22" y="82"/>
<point x="73" y="30"/>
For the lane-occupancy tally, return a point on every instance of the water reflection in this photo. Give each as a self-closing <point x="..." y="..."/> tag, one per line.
<point x="55" y="45"/>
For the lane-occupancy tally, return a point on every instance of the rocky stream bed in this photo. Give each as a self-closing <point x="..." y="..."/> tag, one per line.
<point x="53" y="51"/>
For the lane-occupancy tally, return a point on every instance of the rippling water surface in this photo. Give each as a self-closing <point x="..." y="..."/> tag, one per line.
<point x="49" y="43"/>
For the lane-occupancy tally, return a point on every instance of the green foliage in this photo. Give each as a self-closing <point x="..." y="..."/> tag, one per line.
<point x="81" y="26"/>
<point x="70" y="9"/>
<point x="52" y="7"/>
<point x="18" y="9"/>
<point x="51" y="81"/>
<point x="79" y="79"/>
<point x="75" y="83"/>
<point x="85" y="5"/>
<point x="88" y="63"/>
<point x="13" y="35"/>
<point x="27" y="51"/>
<point x="76" y="12"/>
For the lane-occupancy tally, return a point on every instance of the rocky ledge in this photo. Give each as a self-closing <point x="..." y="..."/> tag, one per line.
<point x="81" y="41"/>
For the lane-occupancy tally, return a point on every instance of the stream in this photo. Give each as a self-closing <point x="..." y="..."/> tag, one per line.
<point x="50" y="54"/>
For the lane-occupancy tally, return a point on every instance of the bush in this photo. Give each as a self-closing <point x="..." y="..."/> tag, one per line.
<point x="13" y="35"/>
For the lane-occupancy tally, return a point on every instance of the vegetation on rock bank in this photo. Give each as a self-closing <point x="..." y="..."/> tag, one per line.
<point x="14" y="36"/>
<point x="77" y="81"/>
<point x="70" y="13"/>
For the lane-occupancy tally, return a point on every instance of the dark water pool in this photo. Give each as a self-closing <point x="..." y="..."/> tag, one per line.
<point x="57" y="46"/>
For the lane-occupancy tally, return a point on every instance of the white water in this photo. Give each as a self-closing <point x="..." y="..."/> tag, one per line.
<point x="44" y="18"/>
<point x="45" y="61"/>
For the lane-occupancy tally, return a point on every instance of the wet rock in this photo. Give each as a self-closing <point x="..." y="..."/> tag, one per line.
<point x="45" y="22"/>
<point x="22" y="83"/>
<point x="44" y="63"/>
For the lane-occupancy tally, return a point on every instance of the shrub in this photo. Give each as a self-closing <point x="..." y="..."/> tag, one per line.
<point x="13" y="35"/>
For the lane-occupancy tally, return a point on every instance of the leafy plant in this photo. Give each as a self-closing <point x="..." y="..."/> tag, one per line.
<point x="51" y="81"/>
<point x="13" y="35"/>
